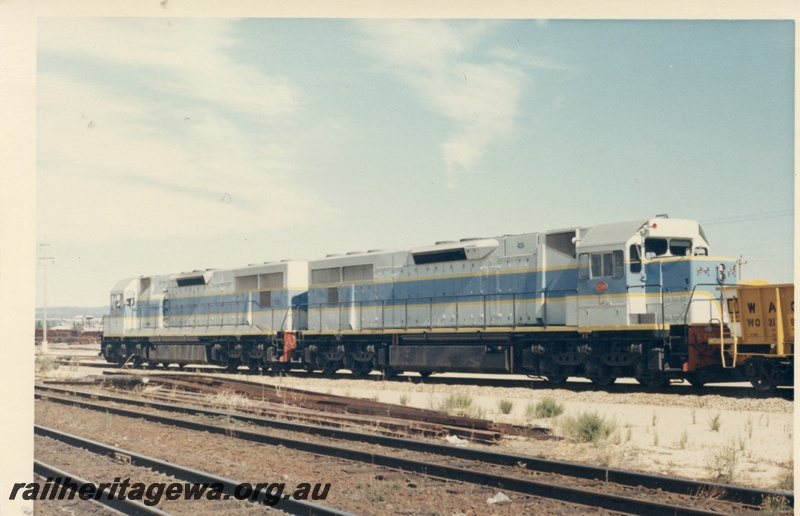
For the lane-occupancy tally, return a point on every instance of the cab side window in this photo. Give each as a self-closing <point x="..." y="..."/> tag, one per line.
<point x="609" y="264"/>
<point x="583" y="266"/>
<point x="635" y="259"/>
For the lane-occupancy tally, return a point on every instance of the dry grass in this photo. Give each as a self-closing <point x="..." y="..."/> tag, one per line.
<point x="546" y="408"/>
<point x="721" y="464"/>
<point x="231" y="400"/>
<point x="588" y="427"/>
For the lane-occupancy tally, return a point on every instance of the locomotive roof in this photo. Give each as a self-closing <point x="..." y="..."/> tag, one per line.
<point x="611" y="234"/>
<point x="619" y="233"/>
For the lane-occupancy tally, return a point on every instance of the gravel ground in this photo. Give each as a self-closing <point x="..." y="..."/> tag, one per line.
<point x="705" y="437"/>
<point x="361" y="489"/>
<point x="699" y="436"/>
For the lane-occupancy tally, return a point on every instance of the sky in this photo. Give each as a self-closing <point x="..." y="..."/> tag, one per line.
<point x="168" y="144"/>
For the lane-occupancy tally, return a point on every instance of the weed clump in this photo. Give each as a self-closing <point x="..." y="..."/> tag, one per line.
<point x="505" y="406"/>
<point x="715" y="422"/>
<point x="458" y="404"/>
<point x="547" y="407"/>
<point x="588" y="427"/>
<point x="721" y="465"/>
<point x="775" y="505"/>
<point x="45" y="364"/>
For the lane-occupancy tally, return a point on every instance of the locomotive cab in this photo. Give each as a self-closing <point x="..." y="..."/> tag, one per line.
<point x="649" y="274"/>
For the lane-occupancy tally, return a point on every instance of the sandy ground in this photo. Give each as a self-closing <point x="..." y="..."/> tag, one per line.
<point x="748" y="441"/>
<point x="670" y="434"/>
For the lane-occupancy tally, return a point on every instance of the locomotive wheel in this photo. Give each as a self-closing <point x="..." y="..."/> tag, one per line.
<point x="233" y="365"/>
<point x="361" y="369"/>
<point x="388" y="373"/>
<point x="331" y="368"/>
<point x="695" y="380"/>
<point x="653" y="380"/>
<point x="560" y="379"/>
<point x="558" y="374"/>
<point x="254" y="365"/>
<point x="425" y="374"/>
<point x="281" y="368"/>
<point x="761" y="374"/>
<point x="604" y="380"/>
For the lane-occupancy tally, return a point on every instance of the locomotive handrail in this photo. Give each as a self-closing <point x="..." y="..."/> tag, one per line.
<point x="691" y="299"/>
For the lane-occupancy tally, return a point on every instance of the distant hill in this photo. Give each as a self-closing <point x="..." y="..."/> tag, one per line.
<point x="67" y="312"/>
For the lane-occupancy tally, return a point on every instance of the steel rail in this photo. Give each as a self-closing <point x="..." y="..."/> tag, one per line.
<point x="538" y="488"/>
<point x="287" y="503"/>
<point x="64" y="478"/>
<point x="745" y="495"/>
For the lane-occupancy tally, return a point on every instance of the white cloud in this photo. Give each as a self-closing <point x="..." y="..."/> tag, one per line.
<point x="184" y="56"/>
<point x="439" y="61"/>
<point x="170" y="152"/>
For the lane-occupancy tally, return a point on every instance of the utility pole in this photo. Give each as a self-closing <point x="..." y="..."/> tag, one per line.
<point x="43" y="259"/>
<point x="740" y="262"/>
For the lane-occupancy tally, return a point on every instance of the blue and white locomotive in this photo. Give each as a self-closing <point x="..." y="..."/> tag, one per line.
<point x="602" y="302"/>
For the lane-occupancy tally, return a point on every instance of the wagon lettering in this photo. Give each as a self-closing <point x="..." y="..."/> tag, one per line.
<point x="771" y="307"/>
<point x="751" y="307"/>
<point x="754" y="323"/>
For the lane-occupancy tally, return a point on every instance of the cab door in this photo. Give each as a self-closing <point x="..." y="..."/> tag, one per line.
<point x="602" y="289"/>
<point x="637" y="287"/>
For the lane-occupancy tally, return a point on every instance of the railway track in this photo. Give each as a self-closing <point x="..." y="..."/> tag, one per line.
<point x="614" y="490"/>
<point x="316" y="408"/>
<point x="229" y="489"/>
<point x="729" y="390"/>
<point x="59" y="481"/>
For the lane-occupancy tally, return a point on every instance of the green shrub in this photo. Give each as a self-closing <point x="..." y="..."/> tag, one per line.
<point x="547" y="407"/>
<point x="588" y="427"/>
<point x="505" y="406"/>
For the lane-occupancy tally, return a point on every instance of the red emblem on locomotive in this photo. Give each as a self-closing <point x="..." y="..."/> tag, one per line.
<point x="601" y="287"/>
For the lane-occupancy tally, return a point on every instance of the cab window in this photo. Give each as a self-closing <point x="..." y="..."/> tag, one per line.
<point x="655" y="246"/>
<point x="609" y="264"/>
<point x="583" y="266"/>
<point x="680" y="247"/>
<point x="635" y="259"/>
